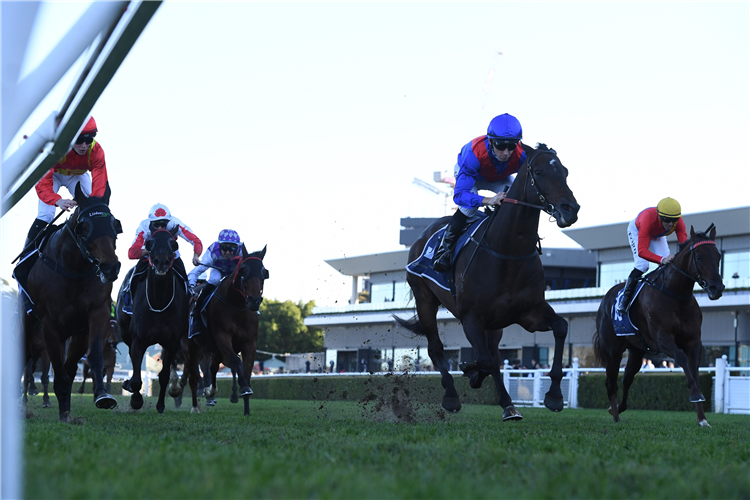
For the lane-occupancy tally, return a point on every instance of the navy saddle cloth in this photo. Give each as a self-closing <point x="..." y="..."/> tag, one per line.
<point x="622" y="323"/>
<point x="422" y="265"/>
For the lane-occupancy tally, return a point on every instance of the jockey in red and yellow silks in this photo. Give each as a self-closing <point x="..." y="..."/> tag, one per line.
<point x="488" y="162"/>
<point x="647" y="234"/>
<point x="86" y="155"/>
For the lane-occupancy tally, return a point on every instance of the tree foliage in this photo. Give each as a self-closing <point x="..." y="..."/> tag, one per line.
<point x="282" y="329"/>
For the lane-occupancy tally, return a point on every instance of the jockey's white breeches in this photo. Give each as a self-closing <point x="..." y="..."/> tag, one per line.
<point x="658" y="245"/>
<point x="47" y="212"/>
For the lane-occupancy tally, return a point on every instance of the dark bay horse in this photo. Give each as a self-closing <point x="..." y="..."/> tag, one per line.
<point x="70" y="285"/>
<point x="160" y="316"/>
<point x="668" y="319"/>
<point x="500" y="282"/>
<point x="232" y="326"/>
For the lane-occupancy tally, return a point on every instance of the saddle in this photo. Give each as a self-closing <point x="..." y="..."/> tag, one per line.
<point x="23" y="268"/>
<point x="422" y="265"/>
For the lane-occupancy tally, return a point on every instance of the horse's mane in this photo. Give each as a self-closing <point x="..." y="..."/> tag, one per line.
<point x="540" y="146"/>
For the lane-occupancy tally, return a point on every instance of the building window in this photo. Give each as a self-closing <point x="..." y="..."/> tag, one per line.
<point x="395" y="291"/>
<point x="613" y="273"/>
<point x="736" y="265"/>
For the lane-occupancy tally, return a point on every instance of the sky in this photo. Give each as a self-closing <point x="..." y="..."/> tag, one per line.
<point x="303" y="125"/>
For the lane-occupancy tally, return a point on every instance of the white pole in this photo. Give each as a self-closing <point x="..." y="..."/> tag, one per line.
<point x="573" y="399"/>
<point x="719" y="385"/>
<point x="11" y="460"/>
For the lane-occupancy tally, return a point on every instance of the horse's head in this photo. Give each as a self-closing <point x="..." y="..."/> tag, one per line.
<point x="250" y="276"/>
<point x="95" y="231"/>
<point x="546" y="181"/>
<point x="699" y="259"/>
<point x="161" y="250"/>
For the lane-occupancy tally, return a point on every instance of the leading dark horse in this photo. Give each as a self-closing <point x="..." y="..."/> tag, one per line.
<point x="500" y="281"/>
<point x="232" y="326"/>
<point x="160" y="316"/>
<point x="71" y="287"/>
<point x="668" y="319"/>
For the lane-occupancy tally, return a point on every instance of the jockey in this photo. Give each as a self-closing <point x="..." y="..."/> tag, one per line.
<point x="159" y="217"/>
<point x="218" y="258"/>
<point x="488" y="162"/>
<point x="647" y="234"/>
<point x="86" y="155"/>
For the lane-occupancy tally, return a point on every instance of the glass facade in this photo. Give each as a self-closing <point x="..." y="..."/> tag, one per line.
<point x="395" y="291"/>
<point x="736" y="265"/>
<point x="613" y="273"/>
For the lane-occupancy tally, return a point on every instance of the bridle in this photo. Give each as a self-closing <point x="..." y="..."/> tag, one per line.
<point x="174" y="279"/>
<point x="701" y="282"/>
<point x="248" y="300"/>
<point x="549" y="208"/>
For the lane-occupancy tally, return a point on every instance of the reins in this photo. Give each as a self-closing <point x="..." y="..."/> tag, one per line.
<point x="546" y="207"/>
<point x="241" y="290"/>
<point x="174" y="292"/>
<point x="701" y="282"/>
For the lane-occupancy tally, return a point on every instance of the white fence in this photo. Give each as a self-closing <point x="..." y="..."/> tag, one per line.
<point x="731" y="385"/>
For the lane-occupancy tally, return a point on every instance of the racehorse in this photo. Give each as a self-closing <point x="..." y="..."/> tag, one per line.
<point x="231" y="326"/>
<point x="109" y="355"/>
<point x="160" y="316"/>
<point x="499" y="281"/>
<point x="667" y="317"/>
<point x="70" y="285"/>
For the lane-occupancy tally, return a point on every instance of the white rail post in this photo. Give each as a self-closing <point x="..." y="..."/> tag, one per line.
<point x="573" y="398"/>
<point x="537" y="387"/>
<point x="721" y="369"/>
<point x="506" y="375"/>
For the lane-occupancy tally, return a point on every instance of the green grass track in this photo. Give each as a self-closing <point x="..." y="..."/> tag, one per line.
<point x="353" y="450"/>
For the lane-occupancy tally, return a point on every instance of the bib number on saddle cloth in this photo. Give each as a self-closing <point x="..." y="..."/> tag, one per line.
<point x="622" y="324"/>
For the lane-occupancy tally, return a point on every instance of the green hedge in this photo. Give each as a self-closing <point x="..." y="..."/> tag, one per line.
<point x="655" y="391"/>
<point x="666" y="391"/>
<point x="421" y="389"/>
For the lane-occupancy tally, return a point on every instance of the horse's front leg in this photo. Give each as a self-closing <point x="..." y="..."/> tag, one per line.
<point x="137" y="349"/>
<point x="45" y="379"/>
<point x="510" y="412"/>
<point x="190" y="349"/>
<point x="694" y="355"/>
<point x="543" y="318"/>
<point x="164" y="376"/>
<point x="98" y="328"/>
<point x="62" y="383"/>
<point x="234" y="398"/>
<point x="688" y="363"/>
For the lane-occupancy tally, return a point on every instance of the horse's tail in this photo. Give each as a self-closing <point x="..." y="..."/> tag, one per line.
<point x="596" y="338"/>
<point x="413" y="324"/>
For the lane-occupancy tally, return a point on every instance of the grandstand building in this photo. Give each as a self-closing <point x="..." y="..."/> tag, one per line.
<point x="363" y="336"/>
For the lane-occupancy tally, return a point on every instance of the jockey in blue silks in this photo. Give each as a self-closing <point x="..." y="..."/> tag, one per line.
<point x="488" y="162"/>
<point x="218" y="258"/>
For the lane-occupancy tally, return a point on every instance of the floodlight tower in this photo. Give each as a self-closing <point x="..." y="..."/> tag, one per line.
<point x="447" y="194"/>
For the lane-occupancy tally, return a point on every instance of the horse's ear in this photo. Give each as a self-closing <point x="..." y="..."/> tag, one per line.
<point x="527" y="148"/>
<point x="263" y="252"/>
<point x="712" y="233"/>
<point x="244" y="250"/>
<point x="107" y="193"/>
<point x="173" y="245"/>
<point x="692" y="232"/>
<point x="78" y="195"/>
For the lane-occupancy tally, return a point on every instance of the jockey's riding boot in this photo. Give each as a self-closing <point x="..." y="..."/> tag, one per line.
<point x="627" y="294"/>
<point x="36" y="228"/>
<point x="444" y="253"/>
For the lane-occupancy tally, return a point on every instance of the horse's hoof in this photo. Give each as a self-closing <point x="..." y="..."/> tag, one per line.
<point x="468" y="367"/>
<point x="475" y="381"/>
<point x="246" y="391"/>
<point x="65" y="417"/>
<point x="452" y="404"/>
<point x="126" y="385"/>
<point x="195" y="409"/>
<point x="46" y="404"/>
<point x="136" y="401"/>
<point x="234" y="399"/>
<point x="697" y="398"/>
<point x="210" y="402"/>
<point x="105" y="402"/>
<point x="510" y="413"/>
<point x="33" y="392"/>
<point x="704" y="423"/>
<point x="554" y="404"/>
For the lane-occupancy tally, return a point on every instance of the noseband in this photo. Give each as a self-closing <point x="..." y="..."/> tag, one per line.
<point x="701" y="282"/>
<point x="249" y="300"/>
